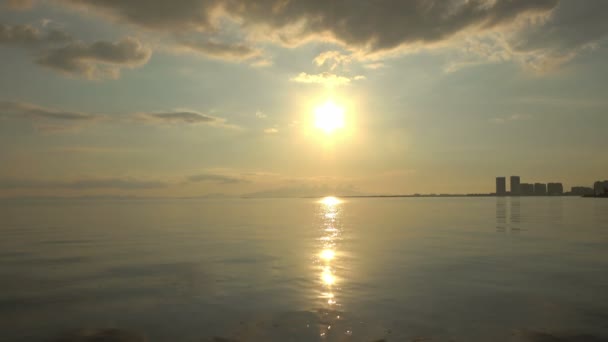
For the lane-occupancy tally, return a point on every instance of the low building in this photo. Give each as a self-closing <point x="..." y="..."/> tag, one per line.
<point x="581" y="191"/>
<point x="555" y="189"/>
<point x="540" y="189"/>
<point x="526" y="189"/>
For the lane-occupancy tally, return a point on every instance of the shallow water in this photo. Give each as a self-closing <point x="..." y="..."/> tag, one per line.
<point x="398" y="269"/>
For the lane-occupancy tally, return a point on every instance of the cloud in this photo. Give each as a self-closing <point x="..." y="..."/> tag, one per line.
<point x="57" y="50"/>
<point x="216" y="178"/>
<point x="225" y="51"/>
<point x="83" y="184"/>
<point x="332" y="59"/>
<point x="18" y="4"/>
<point x="324" y="78"/>
<point x="542" y="45"/>
<point x="541" y="34"/>
<point x="374" y="66"/>
<point x="271" y="130"/>
<point x="52" y="120"/>
<point x="31" y="111"/>
<point x="184" y="15"/>
<point x="514" y="117"/>
<point x="370" y="26"/>
<point x="260" y="115"/>
<point x="179" y="117"/>
<point x="44" y="119"/>
<point x="576" y="26"/>
<point x="30" y="37"/>
<point x="98" y="60"/>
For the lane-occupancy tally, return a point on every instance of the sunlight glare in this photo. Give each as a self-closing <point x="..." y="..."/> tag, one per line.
<point x="330" y="201"/>
<point x="329" y="117"/>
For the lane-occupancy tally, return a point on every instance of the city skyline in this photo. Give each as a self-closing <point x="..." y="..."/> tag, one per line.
<point x="518" y="188"/>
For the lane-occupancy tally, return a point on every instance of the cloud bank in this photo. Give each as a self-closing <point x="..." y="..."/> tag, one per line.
<point x="539" y="33"/>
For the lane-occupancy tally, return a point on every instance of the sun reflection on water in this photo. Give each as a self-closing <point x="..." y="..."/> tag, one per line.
<point x="327" y="257"/>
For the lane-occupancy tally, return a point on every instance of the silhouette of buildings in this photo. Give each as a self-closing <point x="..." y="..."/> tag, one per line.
<point x="515" y="182"/>
<point x="600" y="188"/>
<point x="501" y="186"/>
<point x="526" y="189"/>
<point x="555" y="189"/>
<point x="540" y="189"/>
<point x="581" y="191"/>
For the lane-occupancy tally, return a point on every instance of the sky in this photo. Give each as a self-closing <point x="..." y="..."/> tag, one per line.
<point x="222" y="97"/>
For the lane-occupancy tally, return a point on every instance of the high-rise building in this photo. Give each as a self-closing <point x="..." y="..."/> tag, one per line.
<point x="555" y="189"/>
<point x="600" y="188"/>
<point x="526" y="189"/>
<point x="501" y="186"/>
<point x="515" y="189"/>
<point x="540" y="189"/>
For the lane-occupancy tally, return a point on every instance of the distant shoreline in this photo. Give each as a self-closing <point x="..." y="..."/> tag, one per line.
<point x="128" y="198"/>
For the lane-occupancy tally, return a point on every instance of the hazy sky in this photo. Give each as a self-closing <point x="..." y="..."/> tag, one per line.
<point x="199" y="97"/>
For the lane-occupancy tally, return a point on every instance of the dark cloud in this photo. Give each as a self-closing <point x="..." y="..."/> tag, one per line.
<point x="575" y="25"/>
<point x="97" y="60"/>
<point x="82" y="184"/>
<point x="160" y="15"/>
<point x="29" y="36"/>
<point x="215" y="178"/>
<point x="59" y="51"/>
<point x="179" y="117"/>
<point x="14" y="109"/>
<point x="368" y="25"/>
<point x="18" y="4"/>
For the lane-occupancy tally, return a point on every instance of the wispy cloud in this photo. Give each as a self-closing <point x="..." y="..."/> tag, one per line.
<point x="47" y="119"/>
<point x="216" y="178"/>
<point x="260" y="115"/>
<point x="510" y="118"/>
<point x="332" y="59"/>
<point x="56" y="120"/>
<point x="220" y="50"/>
<point x="182" y="117"/>
<point x="325" y="78"/>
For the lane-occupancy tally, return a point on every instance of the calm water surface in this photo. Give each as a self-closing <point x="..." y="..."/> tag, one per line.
<point x="403" y="269"/>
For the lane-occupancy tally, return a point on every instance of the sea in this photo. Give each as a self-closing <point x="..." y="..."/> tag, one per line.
<point x="305" y="269"/>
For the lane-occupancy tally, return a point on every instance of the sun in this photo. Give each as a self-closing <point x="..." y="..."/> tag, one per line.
<point x="329" y="117"/>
